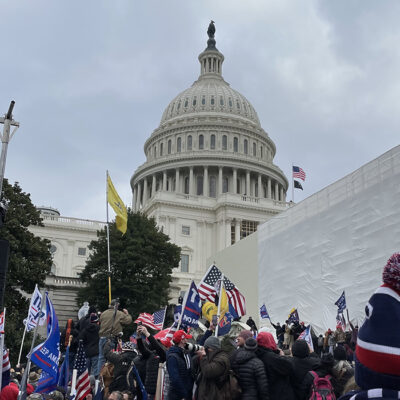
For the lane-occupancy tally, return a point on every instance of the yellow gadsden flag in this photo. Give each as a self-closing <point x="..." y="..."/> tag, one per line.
<point x="118" y="206"/>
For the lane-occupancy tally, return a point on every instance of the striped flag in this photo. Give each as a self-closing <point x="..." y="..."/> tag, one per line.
<point x="299" y="173"/>
<point x="6" y="361"/>
<point x="154" y="321"/>
<point x="207" y="290"/>
<point x="306" y="335"/>
<point x="82" y="380"/>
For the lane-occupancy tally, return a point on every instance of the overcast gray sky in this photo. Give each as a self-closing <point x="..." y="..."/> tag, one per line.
<point x="92" y="78"/>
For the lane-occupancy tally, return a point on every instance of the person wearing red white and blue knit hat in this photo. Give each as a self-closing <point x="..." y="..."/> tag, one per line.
<point x="377" y="370"/>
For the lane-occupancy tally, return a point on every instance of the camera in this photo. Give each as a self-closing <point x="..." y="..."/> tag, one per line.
<point x="193" y="347"/>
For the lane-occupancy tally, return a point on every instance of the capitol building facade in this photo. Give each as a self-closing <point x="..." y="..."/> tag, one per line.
<point x="209" y="177"/>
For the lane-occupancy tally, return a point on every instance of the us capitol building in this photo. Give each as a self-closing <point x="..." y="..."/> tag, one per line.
<point x="209" y="177"/>
<point x="209" y="180"/>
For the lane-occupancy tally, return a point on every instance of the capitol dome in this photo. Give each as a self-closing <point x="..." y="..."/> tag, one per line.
<point x="209" y="177"/>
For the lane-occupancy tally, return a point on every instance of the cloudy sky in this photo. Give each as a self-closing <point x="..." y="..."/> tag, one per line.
<point x="92" y="78"/>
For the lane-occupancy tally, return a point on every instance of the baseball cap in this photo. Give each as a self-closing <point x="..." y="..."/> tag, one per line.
<point x="179" y="335"/>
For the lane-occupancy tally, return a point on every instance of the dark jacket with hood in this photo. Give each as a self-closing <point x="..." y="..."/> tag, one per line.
<point x="90" y="337"/>
<point x="153" y="359"/>
<point x="180" y="377"/>
<point x="279" y="371"/>
<point x="251" y="374"/>
<point x="302" y="363"/>
<point x="213" y="381"/>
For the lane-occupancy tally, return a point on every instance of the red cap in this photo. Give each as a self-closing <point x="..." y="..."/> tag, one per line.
<point x="265" y="339"/>
<point x="179" y="335"/>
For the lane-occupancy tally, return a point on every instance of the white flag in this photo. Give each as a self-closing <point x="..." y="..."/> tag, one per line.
<point x="35" y="313"/>
<point x="306" y="335"/>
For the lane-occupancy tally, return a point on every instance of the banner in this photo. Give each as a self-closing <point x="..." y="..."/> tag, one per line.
<point x="306" y="335"/>
<point x="47" y="354"/>
<point x="192" y="310"/>
<point x="34" y="313"/>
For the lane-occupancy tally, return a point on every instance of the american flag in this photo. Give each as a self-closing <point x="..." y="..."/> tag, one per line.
<point x="154" y="321"/>
<point x="2" y="316"/>
<point x="299" y="173"/>
<point x="207" y="290"/>
<point x="82" y="380"/>
<point x="6" y="361"/>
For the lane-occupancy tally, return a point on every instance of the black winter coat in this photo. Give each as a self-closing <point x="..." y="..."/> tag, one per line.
<point x="251" y="374"/>
<point x="152" y="361"/>
<point x="180" y="377"/>
<point x="300" y="368"/>
<point x="279" y="371"/>
<point x="90" y="337"/>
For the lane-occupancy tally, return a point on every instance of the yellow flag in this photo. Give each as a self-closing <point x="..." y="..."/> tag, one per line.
<point x="121" y="220"/>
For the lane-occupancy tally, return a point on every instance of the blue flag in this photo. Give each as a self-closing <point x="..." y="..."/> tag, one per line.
<point x="224" y="325"/>
<point x="192" y="310"/>
<point x="63" y="379"/>
<point x="294" y="316"/>
<point x="233" y="312"/>
<point x="177" y="312"/>
<point x="47" y="354"/>
<point x="341" y="303"/>
<point x="264" y="313"/>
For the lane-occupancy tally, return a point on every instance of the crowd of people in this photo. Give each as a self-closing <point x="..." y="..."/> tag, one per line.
<point x="347" y="364"/>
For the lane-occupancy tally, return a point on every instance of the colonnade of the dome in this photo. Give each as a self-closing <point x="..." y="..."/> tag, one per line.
<point x="209" y="181"/>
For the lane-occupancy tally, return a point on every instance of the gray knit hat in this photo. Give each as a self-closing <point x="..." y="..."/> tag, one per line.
<point x="250" y="344"/>
<point x="212" y="343"/>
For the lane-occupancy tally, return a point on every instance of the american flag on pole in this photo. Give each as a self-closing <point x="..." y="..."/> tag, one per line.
<point x="82" y="380"/>
<point x="6" y="361"/>
<point x="2" y="317"/>
<point x="154" y="321"/>
<point x="299" y="173"/>
<point x="207" y="290"/>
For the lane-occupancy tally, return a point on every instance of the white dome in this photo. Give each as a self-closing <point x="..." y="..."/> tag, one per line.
<point x="210" y="95"/>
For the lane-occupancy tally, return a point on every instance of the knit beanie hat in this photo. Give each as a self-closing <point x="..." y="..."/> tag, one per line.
<point x="300" y="349"/>
<point x="212" y="343"/>
<point x="327" y="360"/>
<point x="339" y="353"/>
<point x="378" y="342"/>
<point x="250" y="344"/>
<point x="245" y="334"/>
<point x="265" y="339"/>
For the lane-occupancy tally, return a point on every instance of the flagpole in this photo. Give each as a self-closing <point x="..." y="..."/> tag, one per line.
<point x="22" y="345"/>
<point x="165" y="313"/>
<point x="22" y="391"/>
<point x="219" y="304"/>
<point x="108" y="244"/>
<point x="292" y="184"/>
<point x="183" y="307"/>
<point x="2" y="348"/>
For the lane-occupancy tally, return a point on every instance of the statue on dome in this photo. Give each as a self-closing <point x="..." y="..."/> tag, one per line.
<point x="211" y="30"/>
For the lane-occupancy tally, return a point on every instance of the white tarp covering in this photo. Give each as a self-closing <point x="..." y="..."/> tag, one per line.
<point x="338" y="239"/>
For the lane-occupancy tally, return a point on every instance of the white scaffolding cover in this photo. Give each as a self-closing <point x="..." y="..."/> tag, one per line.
<point x="338" y="239"/>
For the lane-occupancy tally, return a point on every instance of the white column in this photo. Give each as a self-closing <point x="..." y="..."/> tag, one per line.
<point x="134" y="198"/>
<point x="259" y="186"/>
<point x="164" y="181"/>
<point x="205" y="182"/>
<point x="247" y="183"/>
<point x="153" y="186"/>
<point x="228" y="239"/>
<point x="237" y="231"/>
<point x="282" y="196"/>
<point x="145" y="191"/>
<point x="177" y="182"/>
<point x="269" y="188"/>
<point x="234" y="180"/>
<point x="276" y="191"/>
<point x="191" y="181"/>
<point x="219" y="180"/>
<point x="139" y="189"/>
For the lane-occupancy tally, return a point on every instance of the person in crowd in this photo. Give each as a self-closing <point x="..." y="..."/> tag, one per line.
<point x="253" y="327"/>
<point x="288" y="336"/>
<point x="329" y="342"/>
<point x="377" y="358"/>
<point x="342" y="369"/>
<point x="251" y="372"/>
<point x="122" y="362"/>
<point x="324" y="370"/>
<point x="280" y="332"/>
<point x="302" y="363"/>
<point x="153" y="356"/>
<point x="127" y="395"/>
<point x="111" y="322"/>
<point x="214" y="371"/>
<point x="90" y="337"/>
<point x="339" y="335"/>
<point x="179" y="368"/>
<point x="115" y="395"/>
<point x="240" y="342"/>
<point x="278" y="368"/>
<point x="10" y="392"/>
<point x="354" y="334"/>
<point x="84" y="322"/>
<point x="296" y="329"/>
<point x="320" y="345"/>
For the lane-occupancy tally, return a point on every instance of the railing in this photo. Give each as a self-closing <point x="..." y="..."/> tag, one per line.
<point x="63" y="281"/>
<point x="74" y="221"/>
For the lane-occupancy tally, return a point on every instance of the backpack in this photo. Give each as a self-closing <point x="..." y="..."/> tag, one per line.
<point x="321" y="388"/>
<point x="234" y="387"/>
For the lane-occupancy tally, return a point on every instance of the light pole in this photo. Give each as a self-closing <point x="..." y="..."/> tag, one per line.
<point x="5" y="139"/>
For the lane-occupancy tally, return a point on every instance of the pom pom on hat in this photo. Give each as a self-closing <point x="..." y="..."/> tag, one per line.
<point x="391" y="272"/>
<point x="250" y="344"/>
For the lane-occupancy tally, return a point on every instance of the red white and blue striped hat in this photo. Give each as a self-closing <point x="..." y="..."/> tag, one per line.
<point x="378" y="342"/>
